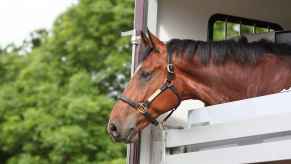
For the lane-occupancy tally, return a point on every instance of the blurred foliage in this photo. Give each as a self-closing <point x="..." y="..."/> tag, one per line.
<point x="57" y="89"/>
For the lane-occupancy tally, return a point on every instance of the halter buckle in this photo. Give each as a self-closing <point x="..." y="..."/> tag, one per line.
<point x="141" y="108"/>
<point x="170" y="68"/>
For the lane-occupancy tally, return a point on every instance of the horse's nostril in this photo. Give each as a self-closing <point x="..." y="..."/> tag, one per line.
<point x="131" y="129"/>
<point x="113" y="130"/>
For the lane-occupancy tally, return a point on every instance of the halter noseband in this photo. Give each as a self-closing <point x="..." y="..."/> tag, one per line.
<point x="143" y="107"/>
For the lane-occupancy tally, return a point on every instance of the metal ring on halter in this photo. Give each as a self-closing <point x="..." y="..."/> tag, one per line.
<point x="170" y="68"/>
<point x="141" y="108"/>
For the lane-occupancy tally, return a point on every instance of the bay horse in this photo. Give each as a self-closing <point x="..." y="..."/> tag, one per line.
<point x="213" y="72"/>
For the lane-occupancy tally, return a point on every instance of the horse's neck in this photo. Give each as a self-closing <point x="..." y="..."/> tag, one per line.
<point x="215" y="84"/>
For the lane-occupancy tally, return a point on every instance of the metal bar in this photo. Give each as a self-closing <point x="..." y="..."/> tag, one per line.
<point x="225" y="29"/>
<point x="255" y="153"/>
<point x="274" y="107"/>
<point x="231" y="133"/>
<point x="134" y="49"/>
<point x="240" y="28"/>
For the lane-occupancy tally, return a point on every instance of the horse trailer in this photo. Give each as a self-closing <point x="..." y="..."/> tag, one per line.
<point x="255" y="130"/>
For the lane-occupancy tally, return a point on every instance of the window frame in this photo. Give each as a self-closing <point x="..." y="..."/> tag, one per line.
<point x="239" y="20"/>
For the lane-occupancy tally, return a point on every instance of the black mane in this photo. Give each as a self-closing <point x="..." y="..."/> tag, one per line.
<point x="240" y="51"/>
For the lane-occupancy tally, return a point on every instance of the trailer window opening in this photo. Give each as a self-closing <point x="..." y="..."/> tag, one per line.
<point x="222" y="27"/>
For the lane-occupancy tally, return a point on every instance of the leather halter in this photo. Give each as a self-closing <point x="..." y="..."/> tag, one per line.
<point x="142" y="107"/>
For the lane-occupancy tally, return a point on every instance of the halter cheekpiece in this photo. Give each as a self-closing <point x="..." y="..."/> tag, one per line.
<point x="142" y="107"/>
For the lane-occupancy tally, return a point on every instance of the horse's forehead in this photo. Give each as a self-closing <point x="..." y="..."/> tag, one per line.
<point x="149" y="64"/>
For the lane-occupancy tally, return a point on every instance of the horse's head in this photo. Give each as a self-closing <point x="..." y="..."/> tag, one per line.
<point x="150" y="93"/>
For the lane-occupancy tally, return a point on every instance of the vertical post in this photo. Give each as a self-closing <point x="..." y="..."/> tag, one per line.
<point x="139" y="24"/>
<point x="133" y="150"/>
<point x="225" y="29"/>
<point x="240" y="28"/>
<point x="254" y="28"/>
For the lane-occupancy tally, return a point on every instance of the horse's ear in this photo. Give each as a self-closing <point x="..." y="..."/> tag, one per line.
<point x="155" y="41"/>
<point x="144" y="39"/>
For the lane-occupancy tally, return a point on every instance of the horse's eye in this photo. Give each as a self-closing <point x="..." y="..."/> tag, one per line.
<point x="145" y="75"/>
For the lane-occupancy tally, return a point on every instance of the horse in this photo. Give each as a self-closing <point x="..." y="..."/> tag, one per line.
<point x="214" y="72"/>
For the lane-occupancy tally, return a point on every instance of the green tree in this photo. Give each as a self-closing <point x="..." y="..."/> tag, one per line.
<point x="55" y="97"/>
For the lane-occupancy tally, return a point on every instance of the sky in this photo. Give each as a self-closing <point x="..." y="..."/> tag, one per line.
<point x="20" y="17"/>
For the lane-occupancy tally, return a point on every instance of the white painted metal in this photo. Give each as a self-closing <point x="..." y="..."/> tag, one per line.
<point x="259" y="128"/>
<point x="246" y="131"/>
<point x="243" y="109"/>
<point x="180" y="117"/>
<point x="279" y="150"/>
<point x="127" y="33"/>
<point x="145" y="150"/>
<point x="152" y="21"/>
<point x="189" y="18"/>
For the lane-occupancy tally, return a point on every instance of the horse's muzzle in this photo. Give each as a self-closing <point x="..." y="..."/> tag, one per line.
<point x="119" y="134"/>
